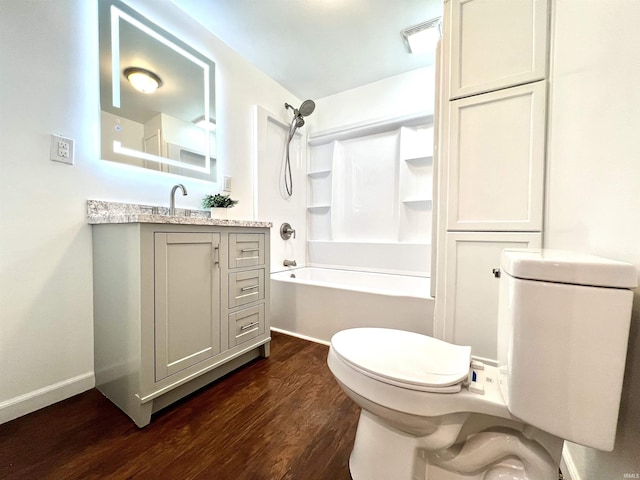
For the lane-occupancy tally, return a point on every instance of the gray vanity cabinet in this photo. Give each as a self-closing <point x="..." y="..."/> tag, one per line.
<point x="175" y="308"/>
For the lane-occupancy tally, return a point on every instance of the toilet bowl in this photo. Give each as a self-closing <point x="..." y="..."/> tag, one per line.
<point x="429" y="411"/>
<point x="407" y="427"/>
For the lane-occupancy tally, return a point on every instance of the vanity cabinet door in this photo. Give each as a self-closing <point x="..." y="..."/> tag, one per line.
<point x="187" y="300"/>
<point x="496" y="44"/>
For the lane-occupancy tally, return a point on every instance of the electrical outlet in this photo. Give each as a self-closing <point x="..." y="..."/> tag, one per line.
<point x="227" y="184"/>
<point x="61" y="149"/>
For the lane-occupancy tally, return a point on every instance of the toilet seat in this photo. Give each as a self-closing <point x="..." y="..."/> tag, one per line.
<point x="404" y="359"/>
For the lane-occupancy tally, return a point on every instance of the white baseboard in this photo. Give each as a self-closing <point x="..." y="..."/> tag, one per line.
<point x="567" y="466"/>
<point x="298" y="335"/>
<point x="43" y="397"/>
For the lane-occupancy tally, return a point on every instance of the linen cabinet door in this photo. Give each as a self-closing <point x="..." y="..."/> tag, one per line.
<point x="496" y="44"/>
<point x="496" y="151"/>
<point x="471" y="302"/>
<point x="187" y="300"/>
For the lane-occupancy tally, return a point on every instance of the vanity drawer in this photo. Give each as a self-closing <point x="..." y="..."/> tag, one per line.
<point x="246" y="324"/>
<point x="246" y="249"/>
<point x="246" y="287"/>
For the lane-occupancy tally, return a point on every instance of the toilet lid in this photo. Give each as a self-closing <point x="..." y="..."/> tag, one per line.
<point x="405" y="359"/>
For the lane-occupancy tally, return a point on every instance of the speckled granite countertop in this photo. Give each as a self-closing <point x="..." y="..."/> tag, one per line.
<point x="99" y="212"/>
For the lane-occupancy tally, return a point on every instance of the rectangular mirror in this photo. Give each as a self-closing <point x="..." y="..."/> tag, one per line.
<point x="156" y="95"/>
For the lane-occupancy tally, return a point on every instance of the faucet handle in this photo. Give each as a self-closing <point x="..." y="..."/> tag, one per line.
<point x="286" y="231"/>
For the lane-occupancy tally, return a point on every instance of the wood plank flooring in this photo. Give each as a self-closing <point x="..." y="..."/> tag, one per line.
<point x="278" y="418"/>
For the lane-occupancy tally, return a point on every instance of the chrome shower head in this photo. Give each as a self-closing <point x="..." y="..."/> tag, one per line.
<point x="307" y="108"/>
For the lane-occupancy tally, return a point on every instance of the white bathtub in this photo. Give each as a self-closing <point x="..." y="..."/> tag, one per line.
<point x="315" y="303"/>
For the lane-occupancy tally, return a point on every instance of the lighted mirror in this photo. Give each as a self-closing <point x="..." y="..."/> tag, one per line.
<point x="157" y="97"/>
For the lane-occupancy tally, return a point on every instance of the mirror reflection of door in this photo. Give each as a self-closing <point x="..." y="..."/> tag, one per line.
<point x="161" y="124"/>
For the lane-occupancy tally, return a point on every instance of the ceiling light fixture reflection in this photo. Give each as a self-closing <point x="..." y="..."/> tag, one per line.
<point x="142" y="80"/>
<point x="423" y="38"/>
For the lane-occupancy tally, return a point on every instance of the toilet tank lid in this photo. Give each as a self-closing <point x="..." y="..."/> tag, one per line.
<point x="561" y="266"/>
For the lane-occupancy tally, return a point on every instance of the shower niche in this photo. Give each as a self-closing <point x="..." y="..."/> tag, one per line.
<point x="370" y="197"/>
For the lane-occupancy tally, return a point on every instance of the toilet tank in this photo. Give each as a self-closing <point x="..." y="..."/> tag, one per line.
<point x="563" y="328"/>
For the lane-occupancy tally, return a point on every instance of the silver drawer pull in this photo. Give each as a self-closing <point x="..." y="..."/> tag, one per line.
<point x="244" y="289"/>
<point x="245" y="250"/>
<point x="249" y="325"/>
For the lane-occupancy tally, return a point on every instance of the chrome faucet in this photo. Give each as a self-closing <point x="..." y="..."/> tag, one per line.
<point x="289" y="263"/>
<point x="172" y="200"/>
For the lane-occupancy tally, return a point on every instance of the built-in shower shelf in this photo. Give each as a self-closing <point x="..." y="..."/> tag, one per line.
<point x="318" y="208"/>
<point x="319" y="173"/>
<point x="423" y="160"/>
<point x="418" y="202"/>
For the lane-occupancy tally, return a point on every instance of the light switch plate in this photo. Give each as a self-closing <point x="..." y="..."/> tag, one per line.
<point x="62" y="149"/>
<point x="227" y="184"/>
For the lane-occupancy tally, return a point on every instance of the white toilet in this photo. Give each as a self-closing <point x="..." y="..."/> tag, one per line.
<point x="430" y="412"/>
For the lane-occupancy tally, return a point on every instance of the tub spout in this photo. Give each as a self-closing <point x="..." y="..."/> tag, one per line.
<point x="289" y="263"/>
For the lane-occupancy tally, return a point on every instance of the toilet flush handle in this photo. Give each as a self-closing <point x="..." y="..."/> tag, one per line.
<point x="496" y="272"/>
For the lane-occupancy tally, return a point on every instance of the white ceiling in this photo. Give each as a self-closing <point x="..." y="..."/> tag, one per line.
<point x="316" y="48"/>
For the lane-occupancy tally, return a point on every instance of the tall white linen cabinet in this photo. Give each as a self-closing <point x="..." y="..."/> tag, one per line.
<point x="490" y="153"/>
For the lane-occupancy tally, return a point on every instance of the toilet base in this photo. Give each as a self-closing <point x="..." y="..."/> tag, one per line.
<point x="383" y="453"/>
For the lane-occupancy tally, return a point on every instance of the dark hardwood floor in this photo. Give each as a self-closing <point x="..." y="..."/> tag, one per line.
<point x="278" y="418"/>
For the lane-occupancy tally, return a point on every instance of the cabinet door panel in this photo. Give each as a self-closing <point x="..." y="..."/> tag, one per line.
<point x="471" y="303"/>
<point x="496" y="160"/>
<point x="496" y="44"/>
<point x="187" y="306"/>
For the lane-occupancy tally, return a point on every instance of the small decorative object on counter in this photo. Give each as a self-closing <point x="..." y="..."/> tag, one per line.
<point x="218" y="204"/>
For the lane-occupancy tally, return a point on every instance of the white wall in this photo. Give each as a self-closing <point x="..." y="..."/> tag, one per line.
<point x="593" y="184"/>
<point x="46" y="299"/>
<point x="405" y="94"/>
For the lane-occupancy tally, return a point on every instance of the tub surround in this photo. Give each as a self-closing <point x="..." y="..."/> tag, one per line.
<point x="413" y="259"/>
<point x="388" y="223"/>
<point x="104" y="212"/>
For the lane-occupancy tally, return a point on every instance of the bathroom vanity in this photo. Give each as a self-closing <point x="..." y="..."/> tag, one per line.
<point x="179" y="301"/>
